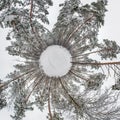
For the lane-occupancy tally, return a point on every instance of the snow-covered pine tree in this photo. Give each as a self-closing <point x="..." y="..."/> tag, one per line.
<point x="2" y="97"/>
<point x="78" y="92"/>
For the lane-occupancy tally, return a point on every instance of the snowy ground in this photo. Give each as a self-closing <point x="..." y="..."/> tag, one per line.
<point x="55" y="61"/>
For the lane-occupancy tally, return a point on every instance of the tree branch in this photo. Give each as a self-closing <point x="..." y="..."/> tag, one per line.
<point x="102" y="63"/>
<point x="79" y="76"/>
<point x="5" y="84"/>
<point x="97" y="51"/>
<point x="26" y="99"/>
<point x="31" y="9"/>
<point x="71" y="98"/>
<point x="49" y="105"/>
<point x="77" y="28"/>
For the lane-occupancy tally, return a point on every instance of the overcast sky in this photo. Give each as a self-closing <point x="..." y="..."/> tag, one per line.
<point x="110" y="31"/>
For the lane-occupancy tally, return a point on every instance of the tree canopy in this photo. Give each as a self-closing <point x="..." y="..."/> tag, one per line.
<point x="78" y="93"/>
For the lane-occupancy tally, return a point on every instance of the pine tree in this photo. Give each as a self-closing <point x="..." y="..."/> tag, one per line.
<point x="77" y="28"/>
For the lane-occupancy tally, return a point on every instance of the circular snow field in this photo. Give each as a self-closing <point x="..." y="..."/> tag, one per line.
<point x="55" y="61"/>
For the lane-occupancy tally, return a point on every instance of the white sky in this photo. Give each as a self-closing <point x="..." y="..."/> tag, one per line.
<point x="110" y="31"/>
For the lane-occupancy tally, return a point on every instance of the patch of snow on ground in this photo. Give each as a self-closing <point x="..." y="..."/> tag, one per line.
<point x="55" y="61"/>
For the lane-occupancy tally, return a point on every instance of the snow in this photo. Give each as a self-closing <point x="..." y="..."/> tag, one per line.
<point x="55" y="61"/>
<point x="75" y="15"/>
<point x="9" y="18"/>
